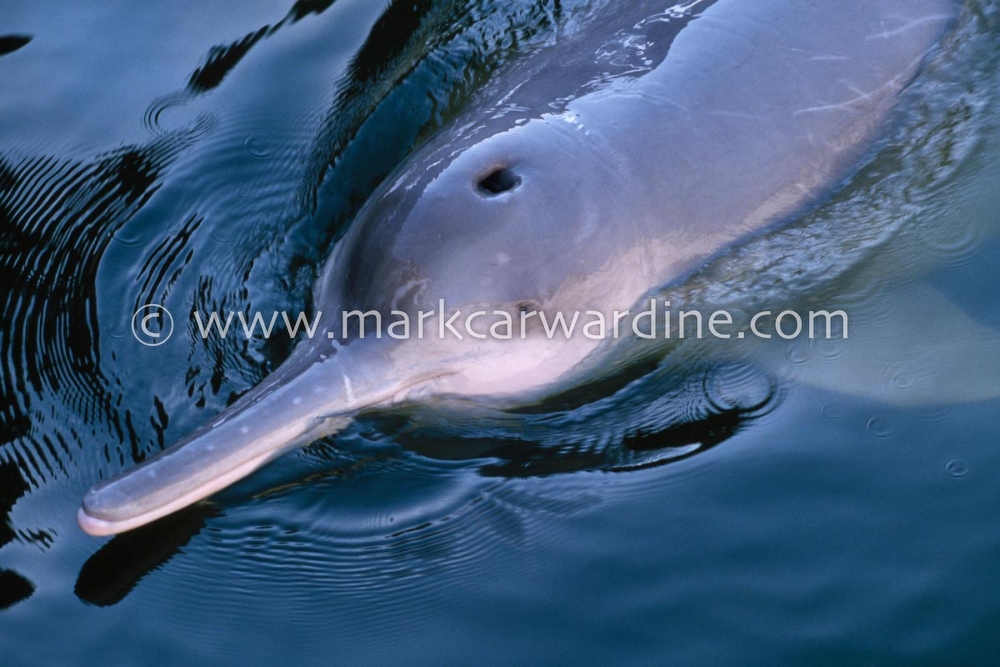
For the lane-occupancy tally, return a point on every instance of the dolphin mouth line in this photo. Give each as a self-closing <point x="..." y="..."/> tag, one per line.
<point x="94" y="525"/>
<point x="413" y="390"/>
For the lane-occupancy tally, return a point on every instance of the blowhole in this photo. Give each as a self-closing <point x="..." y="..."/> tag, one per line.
<point x="498" y="181"/>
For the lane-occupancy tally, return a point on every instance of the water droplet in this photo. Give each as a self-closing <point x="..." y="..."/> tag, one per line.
<point x="880" y="427"/>
<point x="901" y="380"/>
<point x="797" y="354"/>
<point x="249" y="190"/>
<point x="256" y="148"/>
<point x="832" y="411"/>
<point x="957" y="468"/>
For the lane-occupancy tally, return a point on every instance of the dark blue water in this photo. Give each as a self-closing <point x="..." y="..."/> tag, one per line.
<point x="208" y="158"/>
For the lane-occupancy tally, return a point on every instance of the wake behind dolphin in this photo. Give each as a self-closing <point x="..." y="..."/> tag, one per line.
<point x="607" y="171"/>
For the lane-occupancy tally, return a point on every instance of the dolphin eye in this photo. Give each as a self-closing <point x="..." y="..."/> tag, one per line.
<point x="498" y="181"/>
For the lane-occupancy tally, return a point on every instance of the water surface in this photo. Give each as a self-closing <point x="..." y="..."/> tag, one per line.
<point x="208" y="159"/>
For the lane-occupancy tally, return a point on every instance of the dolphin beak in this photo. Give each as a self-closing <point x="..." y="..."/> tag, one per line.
<point x="301" y="402"/>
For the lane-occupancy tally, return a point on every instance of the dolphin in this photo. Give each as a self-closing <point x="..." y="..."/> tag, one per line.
<point x="585" y="177"/>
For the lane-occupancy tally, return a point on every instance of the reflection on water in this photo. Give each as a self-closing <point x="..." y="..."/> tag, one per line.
<point x="11" y="43"/>
<point x="411" y="506"/>
<point x="794" y="516"/>
<point x="108" y="576"/>
<point x="13" y="587"/>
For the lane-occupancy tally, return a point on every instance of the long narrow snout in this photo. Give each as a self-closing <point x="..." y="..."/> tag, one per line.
<point x="302" y="402"/>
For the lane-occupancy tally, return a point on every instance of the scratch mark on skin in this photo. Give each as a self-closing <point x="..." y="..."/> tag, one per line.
<point x="349" y="389"/>
<point x="852" y="105"/>
<point x="886" y="34"/>
<point x="735" y="114"/>
<point x="816" y="55"/>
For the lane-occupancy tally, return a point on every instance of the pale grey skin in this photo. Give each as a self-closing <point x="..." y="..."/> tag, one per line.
<point x="758" y="109"/>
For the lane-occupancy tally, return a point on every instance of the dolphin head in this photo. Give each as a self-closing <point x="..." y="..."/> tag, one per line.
<point x="502" y="238"/>
<point x="512" y="227"/>
<point x="510" y="218"/>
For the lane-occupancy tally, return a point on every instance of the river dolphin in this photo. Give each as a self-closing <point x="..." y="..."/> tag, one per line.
<point x="587" y="176"/>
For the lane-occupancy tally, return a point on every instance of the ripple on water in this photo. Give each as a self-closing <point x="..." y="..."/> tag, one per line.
<point x="932" y="416"/>
<point x="740" y="387"/>
<point x="177" y="107"/>
<point x="952" y="245"/>
<point x="60" y="216"/>
<point x="376" y="533"/>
